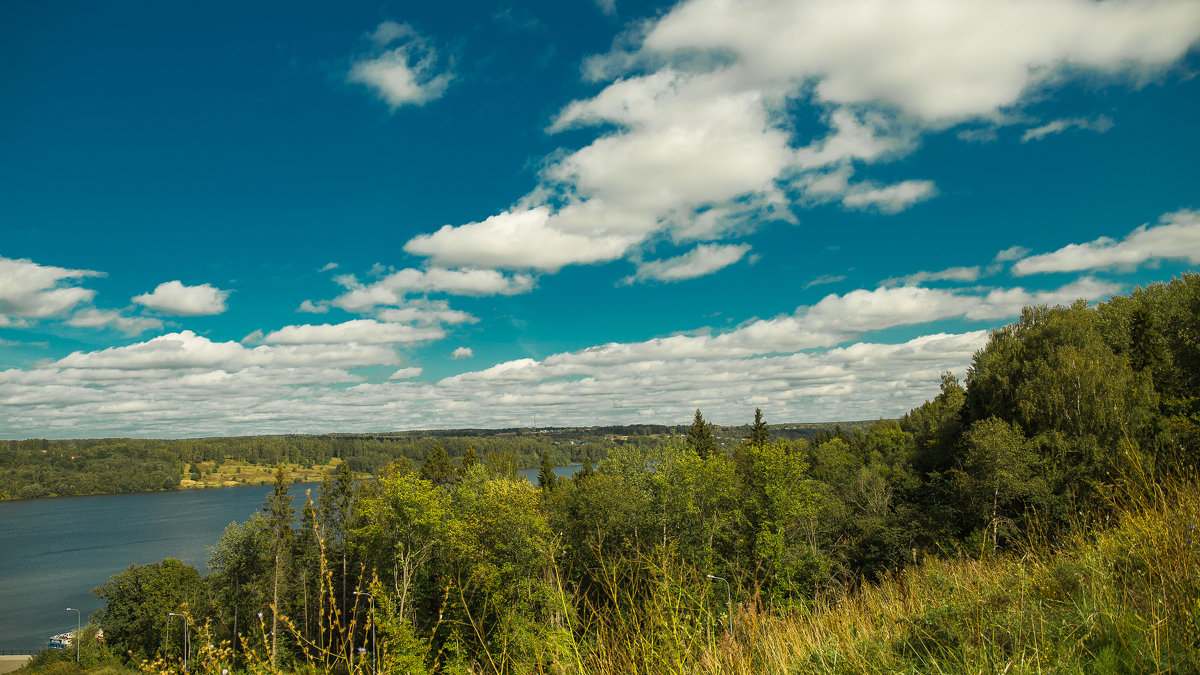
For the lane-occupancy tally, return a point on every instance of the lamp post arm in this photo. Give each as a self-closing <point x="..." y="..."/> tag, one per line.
<point x="728" y="598"/>
<point x="78" y="631"/>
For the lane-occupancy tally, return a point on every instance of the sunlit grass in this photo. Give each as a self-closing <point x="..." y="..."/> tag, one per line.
<point x="230" y="473"/>
<point x="1125" y="599"/>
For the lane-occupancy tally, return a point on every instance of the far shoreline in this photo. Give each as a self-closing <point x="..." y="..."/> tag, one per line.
<point x="229" y="474"/>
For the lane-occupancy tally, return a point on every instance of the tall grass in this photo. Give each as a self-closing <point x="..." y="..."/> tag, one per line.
<point x="1123" y="599"/>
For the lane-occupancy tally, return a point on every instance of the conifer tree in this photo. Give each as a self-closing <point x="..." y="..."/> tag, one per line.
<point x="437" y="468"/>
<point x="335" y="508"/>
<point x="281" y="514"/>
<point x="307" y="554"/>
<point x="546" y="477"/>
<point x="700" y="437"/>
<point x="586" y="470"/>
<point x="470" y="459"/>
<point x="760" y="435"/>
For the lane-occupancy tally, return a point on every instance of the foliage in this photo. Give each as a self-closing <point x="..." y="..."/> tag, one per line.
<point x="547" y="479"/>
<point x="47" y="468"/>
<point x="139" y="600"/>
<point x="241" y="563"/>
<point x="94" y="655"/>
<point x="437" y="468"/>
<point x="400" y="523"/>
<point x="760" y="434"/>
<point x="700" y="437"/>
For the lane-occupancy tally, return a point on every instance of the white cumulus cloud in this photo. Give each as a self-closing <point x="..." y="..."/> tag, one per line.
<point x="30" y="290"/>
<point x="519" y="239"/>
<point x="174" y="298"/>
<point x="393" y="288"/>
<point x="356" y="331"/>
<point x="405" y="75"/>
<point x="960" y="58"/>
<point x="388" y="31"/>
<point x="889" y="198"/>
<point x="426" y="313"/>
<point x="103" y="318"/>
<point x="695" y="121"/>
<point x="702" y="260"/>
<point x="186" y="350"/>
<point x="811" y="364"/>
<point x="1176" y="236"/>
<point x="309" y="307"/>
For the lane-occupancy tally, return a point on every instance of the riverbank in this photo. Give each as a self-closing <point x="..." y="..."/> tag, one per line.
<point x="211" y="475"/>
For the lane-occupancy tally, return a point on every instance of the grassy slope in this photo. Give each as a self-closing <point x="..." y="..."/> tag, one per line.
<point x="231" y="473"/>
<point x="1124" y="600"/>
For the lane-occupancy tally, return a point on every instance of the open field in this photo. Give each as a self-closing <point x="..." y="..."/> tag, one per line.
<point x="231" y="473"/>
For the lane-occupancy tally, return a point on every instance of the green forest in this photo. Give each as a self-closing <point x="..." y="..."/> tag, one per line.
<point x="1038" y="515"/>
<point x="60" y="468"/>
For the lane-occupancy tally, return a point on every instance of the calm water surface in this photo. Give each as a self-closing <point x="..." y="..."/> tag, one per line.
<point x="567" y="471"/>
<point x="54" y="551"/>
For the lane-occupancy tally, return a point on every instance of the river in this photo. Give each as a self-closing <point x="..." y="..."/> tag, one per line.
<point x="54" y="551"/>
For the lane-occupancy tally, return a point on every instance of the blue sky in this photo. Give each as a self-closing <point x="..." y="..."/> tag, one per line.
<point x="292" y="217"/>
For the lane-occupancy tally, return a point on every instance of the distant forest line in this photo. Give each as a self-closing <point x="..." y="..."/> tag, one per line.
<point x="39" y="467"/>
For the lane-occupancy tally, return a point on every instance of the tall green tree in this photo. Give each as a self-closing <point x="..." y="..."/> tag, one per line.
<point x="501" y="463"/>
<point x="470" y="458"/>
<point x="306" y="556"/>
<point x="437" y="468"/>
<point x="241" y="571"/>
<point x="936" y="426"/>
<point x="499" y="561"/>
<point x="700" y="437"/>
<point x="999" y="469"/>
<point x="547" y="479"/>
<point x="1158" y="330"/>
<point x="334" y="514"/>
<point x="280" y="516"/>
<point x="1077" y="401"/>
<point x="138" y="600"/>
<point x="759" y="433"/>
<point x="781" y="549"/>
<point x="587" y="469"/>
<point x="401" y="521"/>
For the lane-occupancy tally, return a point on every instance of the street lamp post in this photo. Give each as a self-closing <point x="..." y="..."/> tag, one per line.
<point x="374" y="649"/>
<point x="728" y="599"/>
<point x="78" y="630"/>
<point x="186" y="638"/>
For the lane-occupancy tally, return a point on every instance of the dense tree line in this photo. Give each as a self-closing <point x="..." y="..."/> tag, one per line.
<point x="43" y="468"/>
<point x="454" y="561"/>
<point x="51" y="468"/>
